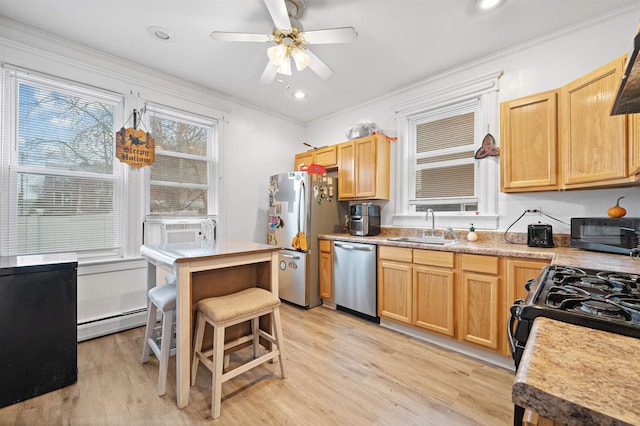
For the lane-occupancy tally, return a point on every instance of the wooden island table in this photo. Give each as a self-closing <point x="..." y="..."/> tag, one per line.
<point x="204" y="270"/>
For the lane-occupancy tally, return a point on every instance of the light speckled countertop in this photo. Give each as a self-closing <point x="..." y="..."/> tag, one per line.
<point x="492" y="243"/>
<point x="597" y="383"/>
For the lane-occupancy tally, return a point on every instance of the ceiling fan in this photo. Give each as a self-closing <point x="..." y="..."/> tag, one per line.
<point x="290" y="41"/>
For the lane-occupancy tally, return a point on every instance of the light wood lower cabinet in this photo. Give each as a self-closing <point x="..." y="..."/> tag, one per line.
<point x="463" y="296"/>
<point x="395" y="283"/>
<point x="433" y="291"/>
<point x="479" y="300"/>
<point x="325" y="267"/>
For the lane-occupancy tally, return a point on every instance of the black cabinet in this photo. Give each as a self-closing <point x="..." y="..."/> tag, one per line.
<point x="38" y="325"/>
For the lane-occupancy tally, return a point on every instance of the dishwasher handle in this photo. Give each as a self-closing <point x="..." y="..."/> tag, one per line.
<point x="352" y="247"/>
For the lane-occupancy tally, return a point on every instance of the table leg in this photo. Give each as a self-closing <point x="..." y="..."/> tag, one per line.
<point x="183" y="337"/>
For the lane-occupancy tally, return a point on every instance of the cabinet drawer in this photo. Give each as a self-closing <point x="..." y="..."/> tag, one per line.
<point x="480" y="263"/>
<point x="398" y="254"/>
<point x="443" y="259"/>
<point x="326" y="156"/>
<point x="325" y="245"/>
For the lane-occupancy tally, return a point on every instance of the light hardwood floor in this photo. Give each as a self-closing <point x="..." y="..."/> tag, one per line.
<point x="342" y="370"/>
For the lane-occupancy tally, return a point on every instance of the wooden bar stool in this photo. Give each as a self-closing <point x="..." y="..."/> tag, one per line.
<point x="224" y="311"/>
<point x="161" y="340"/>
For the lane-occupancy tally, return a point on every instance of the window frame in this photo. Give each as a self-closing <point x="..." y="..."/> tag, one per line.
<point x="11" y="78"/>
<point x="484" y="89"/>
<point x="211" y="159"/>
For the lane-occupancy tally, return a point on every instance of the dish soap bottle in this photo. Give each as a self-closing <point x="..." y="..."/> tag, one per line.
<point x="472" y="235"/>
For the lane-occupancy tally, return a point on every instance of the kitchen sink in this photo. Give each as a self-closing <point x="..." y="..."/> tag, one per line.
<point x="425" y="240"/>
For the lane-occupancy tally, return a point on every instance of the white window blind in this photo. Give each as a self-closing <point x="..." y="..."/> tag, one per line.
<point x="62" y="187"/>
<point x="181" y="179"/>
<point x="444" y="171"/>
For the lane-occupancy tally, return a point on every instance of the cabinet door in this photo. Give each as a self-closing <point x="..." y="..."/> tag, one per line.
<point x="529" y="143"/>
<point x="304" y="158"/>
<point x="594" y="144"/>
<point x="517" y="273"/>
<point x="395" y="290"/>
<point x="346" y="171"/>
<point x="365" y="169"/>
<point x="325" y="266"/>
<point x="479" y="309"/>
<point x="433" y="307"/>
<point x="634" y="144"/>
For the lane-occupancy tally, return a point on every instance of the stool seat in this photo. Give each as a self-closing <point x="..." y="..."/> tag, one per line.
<point x="224" y="311"/>
<point x="234" y="305"/>
<point x="163" y="296"/>
<point x="161" y="340"/>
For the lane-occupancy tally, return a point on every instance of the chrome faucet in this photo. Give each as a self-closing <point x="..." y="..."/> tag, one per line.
<point x="453" y="234"/>
<point x="433" y="221"/>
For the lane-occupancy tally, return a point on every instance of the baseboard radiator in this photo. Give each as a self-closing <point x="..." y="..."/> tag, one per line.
<point x="114" y="324"/>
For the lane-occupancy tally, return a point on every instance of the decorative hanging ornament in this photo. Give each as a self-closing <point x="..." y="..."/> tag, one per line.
<point x="488" y="148"/>
<point x="135" y="147"/>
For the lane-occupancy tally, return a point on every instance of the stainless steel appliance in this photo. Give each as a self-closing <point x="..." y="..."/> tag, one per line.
<point x="603" y="300"/>
<point x="364" y="219"/>
<point x="354" y="277"/>
<point x="301" y="206"/>
<point x="607" y="234"/>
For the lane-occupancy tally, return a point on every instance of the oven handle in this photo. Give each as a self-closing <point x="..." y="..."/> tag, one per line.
<point x="512" y="321"/>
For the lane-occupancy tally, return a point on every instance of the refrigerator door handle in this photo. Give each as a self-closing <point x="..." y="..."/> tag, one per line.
<point x="303" y="197"/>
<point x="289" y="256"/>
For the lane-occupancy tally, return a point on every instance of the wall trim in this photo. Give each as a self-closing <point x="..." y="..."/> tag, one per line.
<point x="103" y="327"/>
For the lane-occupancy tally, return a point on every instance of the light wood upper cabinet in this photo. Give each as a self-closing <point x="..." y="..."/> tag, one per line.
<point x="395" y="283"/>
<point x="433" y="291"/>
<point x="479" y="300"/>
<point x="364" y="168"/>
<point x="594" y="143"/>
<point x="529" y="141"/>
<point x="325" y="266"/>
<point x="326" y="157"/>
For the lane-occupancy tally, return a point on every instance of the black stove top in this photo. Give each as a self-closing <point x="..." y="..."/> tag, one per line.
<point x="603" y="300"/>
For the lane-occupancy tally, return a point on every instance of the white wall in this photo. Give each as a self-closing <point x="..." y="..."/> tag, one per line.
<point x="545" y="64"/>
<point x="254" y="145"/>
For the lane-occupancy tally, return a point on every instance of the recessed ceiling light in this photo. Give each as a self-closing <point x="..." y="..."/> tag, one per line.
<point x="299" y="94"/>
<point x="161" y="34"/>
<point x="487" y="5"/>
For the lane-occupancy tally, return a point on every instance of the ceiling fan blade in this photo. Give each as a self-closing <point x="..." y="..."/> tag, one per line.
<point x="269" y="74"/>
<point x="331" y="35"/>
<point x="224" y="36"/>
<point x="278" y="11"/>
<point x="319" y="67"/>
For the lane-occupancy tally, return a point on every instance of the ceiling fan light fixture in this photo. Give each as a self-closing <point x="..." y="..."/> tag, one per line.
<point x="301" y="58"/>
<point x="285" y="67"/>
<point x="277" y="54"/>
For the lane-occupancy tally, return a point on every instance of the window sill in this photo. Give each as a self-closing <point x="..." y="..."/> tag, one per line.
<point x="444" y="220"/>
<point x="90" y="267"/>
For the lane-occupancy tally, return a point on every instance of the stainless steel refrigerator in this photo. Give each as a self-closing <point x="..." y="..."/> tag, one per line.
<point x="301" y="206"/>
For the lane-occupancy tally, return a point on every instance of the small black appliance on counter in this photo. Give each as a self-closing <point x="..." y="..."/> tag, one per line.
<point x="540" y="235"/>
<point x="606" y="234"/>
<point x="364" y="219"/>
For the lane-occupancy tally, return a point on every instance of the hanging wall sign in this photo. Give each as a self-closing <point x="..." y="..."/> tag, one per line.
<point x="135" y="147"/>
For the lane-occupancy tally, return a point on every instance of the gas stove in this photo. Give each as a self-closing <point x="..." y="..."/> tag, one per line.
<point x="604" y="300"/>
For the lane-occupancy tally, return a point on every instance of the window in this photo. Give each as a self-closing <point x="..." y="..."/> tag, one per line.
<point x="61" y="186"/>
<point x="181" y="181"/>
<point x="438" y="136"/>
<point x="443" y="169"/>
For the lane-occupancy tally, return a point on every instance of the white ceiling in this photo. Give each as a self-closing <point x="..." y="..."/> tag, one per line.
<point x="400" y="42"/>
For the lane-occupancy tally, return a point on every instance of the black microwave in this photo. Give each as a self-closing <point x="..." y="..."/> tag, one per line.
<point x="607" y="234"/>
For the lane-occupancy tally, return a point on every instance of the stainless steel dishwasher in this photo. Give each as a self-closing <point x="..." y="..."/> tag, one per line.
<point x="354" y="277"/>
